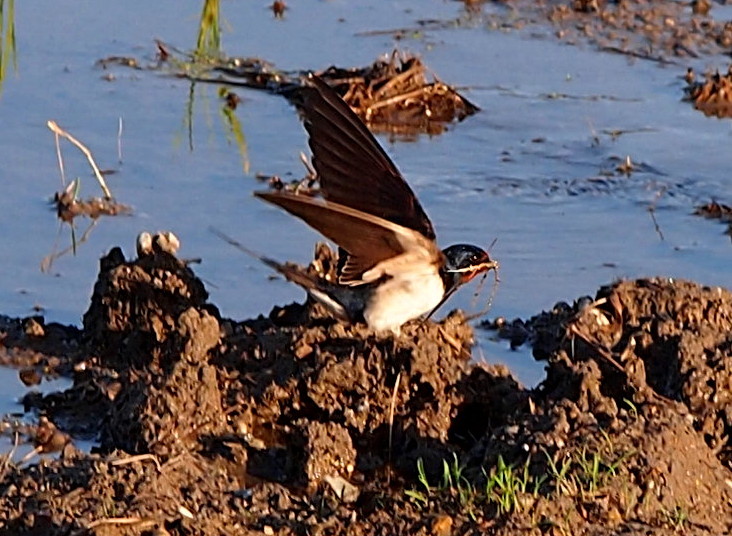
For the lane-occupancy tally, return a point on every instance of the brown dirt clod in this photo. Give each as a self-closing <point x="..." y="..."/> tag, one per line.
<point x="297" y="424"/>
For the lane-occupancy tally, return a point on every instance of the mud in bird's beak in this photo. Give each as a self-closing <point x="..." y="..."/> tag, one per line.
<point x="466" y="274"/>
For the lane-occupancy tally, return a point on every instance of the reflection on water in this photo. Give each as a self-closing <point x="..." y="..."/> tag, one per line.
<point x="232" y="128"/>
<point x="235" y="132"/>
<point x="7" y="38"/>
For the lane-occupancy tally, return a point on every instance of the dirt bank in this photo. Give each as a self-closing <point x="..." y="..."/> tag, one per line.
<point x="296" y="424"/>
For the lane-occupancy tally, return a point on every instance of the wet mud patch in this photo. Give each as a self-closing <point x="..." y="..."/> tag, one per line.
<point x="294" y="423"/>
<point x="658" y="31"/>
<point x="663" y="32"/>
<point x="39" y="352"/>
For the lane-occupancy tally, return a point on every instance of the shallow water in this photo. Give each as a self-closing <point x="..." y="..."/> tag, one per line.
<point x="13" y="391"/>
<point x="528" y="171"/>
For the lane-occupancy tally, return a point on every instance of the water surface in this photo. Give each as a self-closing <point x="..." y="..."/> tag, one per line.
<point x="530" y="171"/>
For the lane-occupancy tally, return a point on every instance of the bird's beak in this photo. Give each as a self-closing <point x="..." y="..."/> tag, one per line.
<point x="466" y="275"/>
<point x="449" y="293"/>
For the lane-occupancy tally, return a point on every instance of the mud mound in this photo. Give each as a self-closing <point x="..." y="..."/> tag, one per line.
<point x="297" y="424"/>
<point x="149" y="323"/>
<point x="667" y="340"/>
<point x="637" y="390"/>
<point x="675" y="337"/>
<point x="368" y="390"/>
<point x="31" y="343"/>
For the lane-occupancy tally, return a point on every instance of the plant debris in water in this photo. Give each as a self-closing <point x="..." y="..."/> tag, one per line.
<point x="713" y="95"/>
<point x="67" y="203"/>
<point x="297" y="424"/>
<point x="69" y="206"/>
<point x="391" y="95"/>
<point x="716" y="211"/>
<point x="395" y="96"/>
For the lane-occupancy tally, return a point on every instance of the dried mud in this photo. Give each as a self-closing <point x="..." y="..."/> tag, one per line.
<point x="297" y="424"/>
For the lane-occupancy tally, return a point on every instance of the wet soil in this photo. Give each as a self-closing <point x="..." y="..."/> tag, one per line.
<point x="664" y="32"/>
<point x="669" y="33"/>
<point x="294" y="423"/>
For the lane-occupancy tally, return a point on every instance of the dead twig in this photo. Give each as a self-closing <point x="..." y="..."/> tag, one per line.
<point x="415" y="70"/>
<point x="97" y="173"/>
<point x="119" y="141"/>
<point x="390" y="101"/>
<point x="133" y="520"/>
<point x="9" y="456"/>
<point x="49" y="259"/>
<point x="491" y="297"/>
<point x="452" y="341"/>
<point x="137" y="458"/>
<point x="601" y="350"/>
<point x="652" y="211"/>
<point x="32" y="454"/>
<point x="392" y="407"/>
<point x="60" y="160"/>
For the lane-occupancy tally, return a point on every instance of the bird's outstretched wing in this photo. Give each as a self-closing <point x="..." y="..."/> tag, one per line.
<point x="352" y="167"/>
<point x="372" y="242"/>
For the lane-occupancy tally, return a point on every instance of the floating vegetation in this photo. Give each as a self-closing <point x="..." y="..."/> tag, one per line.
<point x="394" y="95"/>
<point x="69" y="205"/>
<point x="716" y="211"/>
<point x="713" y="95"/>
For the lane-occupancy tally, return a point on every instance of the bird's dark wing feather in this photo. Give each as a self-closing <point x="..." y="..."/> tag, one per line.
<point x="352" y="167"/>
<point x="368" y="239"/>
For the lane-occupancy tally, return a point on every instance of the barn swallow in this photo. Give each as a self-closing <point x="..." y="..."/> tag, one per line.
<point x="390" y="267"/>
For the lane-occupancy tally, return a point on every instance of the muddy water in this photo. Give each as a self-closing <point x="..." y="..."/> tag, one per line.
<point x="534" y="171"/>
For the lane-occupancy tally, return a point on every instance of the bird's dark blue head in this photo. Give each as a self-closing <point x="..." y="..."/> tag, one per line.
<point x="462" y="263"/>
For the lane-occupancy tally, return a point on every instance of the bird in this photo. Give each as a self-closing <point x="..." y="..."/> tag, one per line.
<point x="390" y="269"/>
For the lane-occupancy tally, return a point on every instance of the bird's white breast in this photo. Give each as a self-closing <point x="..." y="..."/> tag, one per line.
<point x="405" y="296"/>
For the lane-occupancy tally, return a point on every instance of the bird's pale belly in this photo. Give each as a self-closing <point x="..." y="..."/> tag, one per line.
<point x="403" y="298"/>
